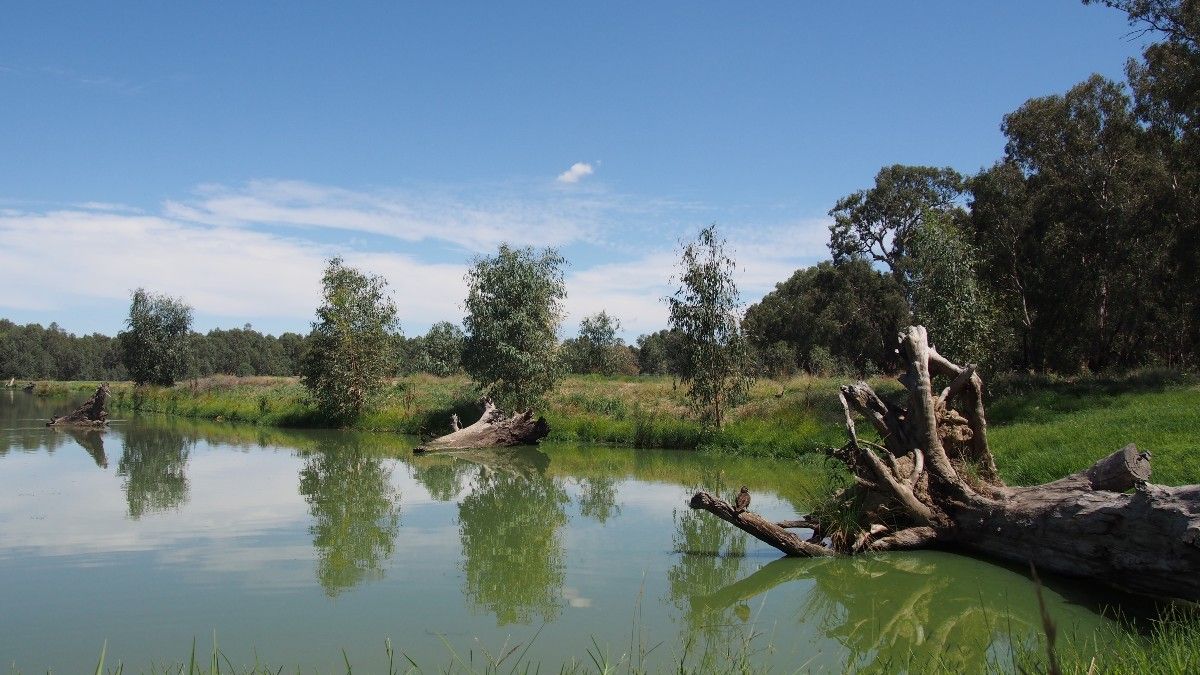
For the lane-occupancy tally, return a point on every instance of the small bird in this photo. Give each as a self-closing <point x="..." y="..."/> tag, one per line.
<point x="743" y="501"/>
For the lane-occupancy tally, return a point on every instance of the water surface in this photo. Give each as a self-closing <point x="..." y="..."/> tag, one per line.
<point x="297" y="545"/>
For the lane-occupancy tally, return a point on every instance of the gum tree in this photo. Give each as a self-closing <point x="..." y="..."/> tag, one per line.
<point x="351" y="344"/>
<point x="703" y="311"/>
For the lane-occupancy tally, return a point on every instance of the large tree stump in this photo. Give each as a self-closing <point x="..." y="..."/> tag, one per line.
<point x="494" y="429"/>
<point x="933" y="481"/>
<point x="91" y="414"/>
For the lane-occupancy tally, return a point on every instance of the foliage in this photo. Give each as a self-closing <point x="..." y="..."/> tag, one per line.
<point x="878" y="224"/>
<point x="660" y="353"/>
<point x="441" y="349"/>
<point x="947" y="295"/>
<point x="32" y="352"/>
<point x="350" y="347"/>
<point x="514" y="306"/>
<point x="597" y="349"/>
<point x="833" y="318"/>
<point x="155" y="348"/>
<point x="356" y="513"/>
<point x="714" y="361"/>
<point x="513" y="560"/>
<point x="1078" y="181"/>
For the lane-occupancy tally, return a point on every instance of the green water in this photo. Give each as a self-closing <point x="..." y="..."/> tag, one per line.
<point x="297" y="545"/>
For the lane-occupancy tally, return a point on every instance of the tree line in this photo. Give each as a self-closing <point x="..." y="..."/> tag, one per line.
<point x="1078" y="249"/>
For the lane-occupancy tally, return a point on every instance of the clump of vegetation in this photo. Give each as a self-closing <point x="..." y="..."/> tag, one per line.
<point x="350" y="348"/>
<point x="715" y="359"/>
<point x="155" y="348"/>
<point x="514" y="307"/>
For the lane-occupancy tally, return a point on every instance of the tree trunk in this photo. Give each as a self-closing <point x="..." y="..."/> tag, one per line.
<point x="90" y="414"/>
<point x="493" y="430"/>
<point x="933" y="482"/>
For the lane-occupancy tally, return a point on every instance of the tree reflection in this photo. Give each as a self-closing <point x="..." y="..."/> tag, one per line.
<point x="598" y="499"/>
<point x="900" y="611"/>
<point x="154" y="465"/>
<point x="513" y="559"/>
<point x="355" y="510"/>
<point x="443" y="477"/>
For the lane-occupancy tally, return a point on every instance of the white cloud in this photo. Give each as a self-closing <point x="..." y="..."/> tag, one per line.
<point x="577" y="172"/>
<point x="256" y="252"/>
<point x="72" y="258"/>
<point x="476" y="223"/>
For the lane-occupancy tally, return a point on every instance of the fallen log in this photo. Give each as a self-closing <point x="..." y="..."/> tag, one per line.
<point x="932" y="481"/>
<point x="494" y="429"/>
<point x="91" y="414"/>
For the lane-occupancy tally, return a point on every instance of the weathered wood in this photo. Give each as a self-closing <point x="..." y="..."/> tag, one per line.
<point x="91" y="414"/>
<point x="758" y="527"/>
<point x="934" y="482"/>
<point x="493" y="430"/>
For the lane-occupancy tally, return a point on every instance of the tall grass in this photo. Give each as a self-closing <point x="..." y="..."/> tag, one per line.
<point x="1041" y="428"/>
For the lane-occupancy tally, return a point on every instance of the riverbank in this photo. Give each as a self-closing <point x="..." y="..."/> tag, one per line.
<point x="1041" y="428"/>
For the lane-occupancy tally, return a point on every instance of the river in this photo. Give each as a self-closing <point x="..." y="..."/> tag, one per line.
<point x="292" y="546"/>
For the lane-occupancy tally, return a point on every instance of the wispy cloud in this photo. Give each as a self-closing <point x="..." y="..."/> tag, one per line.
<point x="256" y="252"/>
<point x="577" y="172"/>
<point x="94" y="81"/>
<point x="476" y="222"/>
<point x="221" y="271"/>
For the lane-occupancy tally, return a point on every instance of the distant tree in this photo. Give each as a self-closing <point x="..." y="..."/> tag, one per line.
<point x="834" y="318"/>
<point x="514" y="306"/>
<point x="350" y="347"/>
<point x="947" y="296"/>
<point x="703" y="310"/>
<point x="878" y="224"/>
<point x="597" y="349"/>
<point x="155" y="346"/>
<point x="1093" y="188"/>
<point x="442" y="349"/>
<point x="660" y="353"/>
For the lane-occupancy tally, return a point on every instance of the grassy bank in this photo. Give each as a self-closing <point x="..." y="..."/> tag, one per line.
<point x="1040" y="428"/>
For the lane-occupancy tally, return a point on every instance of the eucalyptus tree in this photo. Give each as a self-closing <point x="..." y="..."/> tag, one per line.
<point x="350" y="349"/>
<point x="156" y="346"/>
<point x="704" y="311"/>
<point x="442" y="349"/>
<point x="878" y="224"/>
<point x="597" y="349"/>
<point x="514" y="307"/>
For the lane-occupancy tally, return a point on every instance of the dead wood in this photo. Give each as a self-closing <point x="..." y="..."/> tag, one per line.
<point x="932" y="481"/>
<point x="494" y="429"/>
<point x="91" y="414"/>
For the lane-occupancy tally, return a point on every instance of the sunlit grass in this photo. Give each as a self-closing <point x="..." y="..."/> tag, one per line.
<point x="1041" y="428"/>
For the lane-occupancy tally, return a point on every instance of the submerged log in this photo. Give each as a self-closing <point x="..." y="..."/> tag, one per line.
<point x="91" y="414"/>
<point x="933" y="482"/>
<point x="494" y="429"/>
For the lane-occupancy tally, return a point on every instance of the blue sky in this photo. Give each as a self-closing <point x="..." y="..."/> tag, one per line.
<point x="220" y="152"/>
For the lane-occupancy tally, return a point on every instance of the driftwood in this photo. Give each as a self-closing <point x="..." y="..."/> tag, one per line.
<point x="493" y="430"/>
<point x="90" y="414"/>
<point x="932" y="482"/>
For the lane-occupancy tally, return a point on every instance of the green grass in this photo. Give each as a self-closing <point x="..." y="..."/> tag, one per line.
<point x="1044" y="432"/>
<point x="1041" y="428"/>
<point x="1170" y="646"/>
